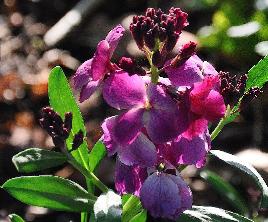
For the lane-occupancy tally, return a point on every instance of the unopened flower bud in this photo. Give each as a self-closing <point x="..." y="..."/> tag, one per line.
<point x="78" y="140"/>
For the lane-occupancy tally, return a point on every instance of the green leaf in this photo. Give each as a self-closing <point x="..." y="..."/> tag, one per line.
<point x="258" y="74"/>
<point x="135" y="211"/>
<point x="35" y="159"/>
<point x="15" y="218"/>
<point x="50" y="192"/>
<point x="140" y="217"/>
<point x="108" y="207"/>
<point x="96" y="155"/>
<point x="211" y="214"/>
<point x="226" y="190"/>
<point x="246" y="168"/>
<point x="62" y="100"/>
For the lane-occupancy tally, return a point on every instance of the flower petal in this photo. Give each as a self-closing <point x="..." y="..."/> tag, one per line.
<point x="206" y="101"/>
<point x="140" y="152"/>
<point x="186" y="74"/>
<point x="109" y="143"/>
<point x="209" y="69"/>
<point x="163" y="121"/>
<point x="165" y="195"/>
<point x="127" y="127"/>
<point x="122" y="91"/>
<point x="82" y="75"/>
<point x="191" y="151"/>
<point x="114" y="37"/>
<point x="88" y="89"/>
<point x="197" y="125"/>
<point x="101" y="60"/>
<point x="129" y="179"/>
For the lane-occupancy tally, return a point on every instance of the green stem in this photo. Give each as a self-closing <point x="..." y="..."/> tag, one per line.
<point x="84" y="217"/>
<point x="90" y="175"/>
<point x="221" y="124"/>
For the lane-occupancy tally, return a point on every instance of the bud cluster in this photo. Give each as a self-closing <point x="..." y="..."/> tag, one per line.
<point x="232" y="87"/>
<point x="158" y="27"/>
<point x="58" y="129"/>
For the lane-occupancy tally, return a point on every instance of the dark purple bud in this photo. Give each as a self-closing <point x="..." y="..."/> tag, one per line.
<point x="149" y="39"/>
<point x="130" y="66"/>
<point x="78" y="140"/>
<point x="162" y="34"/>
<point x="171" y="42"/>
<point x="54" y="125"/>
<point x="188" y="50"/>
<point x="68" y="121"/>
<point x="137" y="34"/>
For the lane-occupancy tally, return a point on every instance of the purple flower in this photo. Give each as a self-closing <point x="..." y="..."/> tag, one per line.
<point x="129" y="179"/>
<point x="141" y="151"/>
<point x="91" y="73"/>
<point x="146" y="105"/>
<point x="191" y="71"/>
<point x="165" y="195"/>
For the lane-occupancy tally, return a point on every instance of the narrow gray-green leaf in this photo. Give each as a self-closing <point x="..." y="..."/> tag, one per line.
<point x="50" y="192"/>
<point x="226" y="190"/>
<point x="15" y="218"/>
<point x="210" y="214"/>
<point x="62" y="100"/>
<point x="96" y="155"/>
<point x="246" y="168"/>
<point x="258" y="74"/>
<point x="36" y="159"/>
<point x="108" y="207"/>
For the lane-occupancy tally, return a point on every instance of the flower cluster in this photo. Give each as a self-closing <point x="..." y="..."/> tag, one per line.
<point x="163" y="122"/>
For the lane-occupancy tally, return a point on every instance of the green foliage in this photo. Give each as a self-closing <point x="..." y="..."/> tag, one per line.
<point x="50" y="192"/>
<point x="226" y="190"/>
<point x="210" y="214"/>
<point x="108" y="208"/>
<point x="133" y="212"/>
<point x="62" y="100"/>
<point x="96" y="155"/>
<point x="245" y="168"/>
<point x="15" y="218"/>
<point x="36" y="159"/>
<point x="237" y="28"/>
<point x="258" y="74"/>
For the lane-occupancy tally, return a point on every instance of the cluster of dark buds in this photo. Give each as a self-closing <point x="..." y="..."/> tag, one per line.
<point x="58" y="129"/>
<point x="233" y="87"/>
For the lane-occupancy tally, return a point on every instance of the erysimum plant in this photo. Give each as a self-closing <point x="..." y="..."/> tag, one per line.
<point x="162" y="128"/>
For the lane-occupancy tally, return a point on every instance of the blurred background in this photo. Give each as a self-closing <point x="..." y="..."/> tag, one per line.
<point x="36" y="35"/>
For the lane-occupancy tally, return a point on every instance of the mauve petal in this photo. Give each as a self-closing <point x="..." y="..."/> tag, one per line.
<point x="127" y="126"/>
<point x="191" y="152"/>
<point x="209" y="69"/>
<point x="140" y="152"/>
<point x="163" y="120"/>
<point x="114" y="37"/>
<point x="197" y="125"/>
<point x="185" y="193"/>
<point x="165" y="195"/>
<point x="101" y="60"/>
<point x="110" y="144"/>
<point x="206" y="101"/>
<point x="186" y="74"/>
<point x="122" y="91"/>
<point x="82" y="74"/>
<point x="88" y="89"/>
<point x="129" y="179"/>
